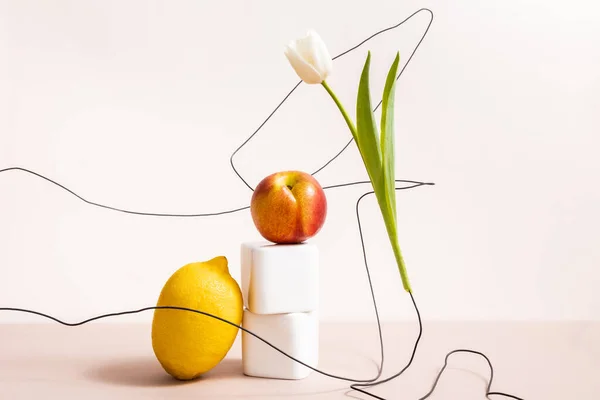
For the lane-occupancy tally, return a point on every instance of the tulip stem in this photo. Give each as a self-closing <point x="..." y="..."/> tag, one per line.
<point x="341" y="108"/>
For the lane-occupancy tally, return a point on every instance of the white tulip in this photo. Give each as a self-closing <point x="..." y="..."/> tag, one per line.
<point x="309" y="58"/>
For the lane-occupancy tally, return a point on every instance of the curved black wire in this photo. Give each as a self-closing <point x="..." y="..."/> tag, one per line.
<point x="399" y="73"/>
<point x="256" y="131"/>
<point x="95" y="204"/>
<point x="489" y="385"/>
<point x="120" y="313"/>
<point x="358" y="383"/>
<point x="152" y="214"/>
<point x="335" y="58"/>
<point x="358" y="386"/>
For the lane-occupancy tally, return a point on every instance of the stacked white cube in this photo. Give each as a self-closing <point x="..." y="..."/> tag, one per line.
<point x="280" y="286"/>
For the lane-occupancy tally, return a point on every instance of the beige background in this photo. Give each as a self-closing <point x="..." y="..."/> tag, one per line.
<point x="139" y="104"/>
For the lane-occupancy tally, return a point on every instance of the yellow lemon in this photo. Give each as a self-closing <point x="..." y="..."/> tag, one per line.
<point x="188" y="344"/>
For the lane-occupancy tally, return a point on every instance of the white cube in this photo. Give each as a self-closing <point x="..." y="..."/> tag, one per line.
<point x="280" y="278"/>
<point x="297" y="334"/>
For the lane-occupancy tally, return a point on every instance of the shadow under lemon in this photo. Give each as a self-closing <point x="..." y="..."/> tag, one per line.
<point x="147" y="372"/>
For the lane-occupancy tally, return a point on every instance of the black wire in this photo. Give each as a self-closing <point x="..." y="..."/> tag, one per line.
<point x="399" y="73"/>
<point x="256" y="131"/>
<point x="152" y="214"/>
<point x="358" y="383"/>
<point x="415" y="184"/>
<point x="335" y="58"/>
<point x="487" y="391"/>
<point x="358" y="386"/>
<point x="93" y="203"/>
<point x="120" y="313"/>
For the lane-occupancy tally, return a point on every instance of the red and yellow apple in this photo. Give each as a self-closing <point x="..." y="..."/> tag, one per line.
<point x="288" y="207"/>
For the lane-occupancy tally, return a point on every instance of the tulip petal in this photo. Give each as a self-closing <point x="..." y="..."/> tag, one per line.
<point x="302" y="66"/>
<point x="321" y="58"/>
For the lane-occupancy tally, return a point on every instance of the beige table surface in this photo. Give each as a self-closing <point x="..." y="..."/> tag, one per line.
<point x="549" y="361"/>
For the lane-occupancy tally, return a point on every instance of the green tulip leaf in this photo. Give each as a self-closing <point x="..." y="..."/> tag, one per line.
<point x="378" y="155"/>
<point x="388" y="167"/>
<point x="367" y="134"/>
<point x="377" y="151"/>
<point x="387" y="135"/>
